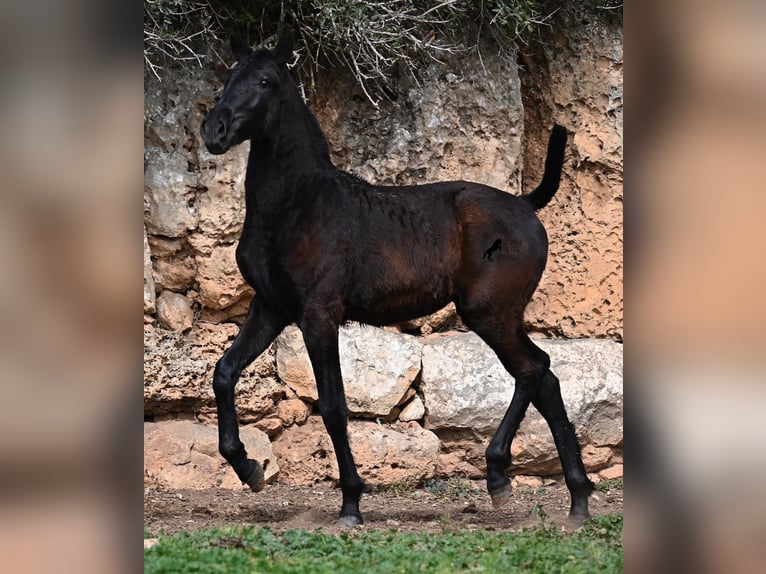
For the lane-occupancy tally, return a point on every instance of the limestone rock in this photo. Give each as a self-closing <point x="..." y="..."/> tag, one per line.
<point x="176" y="273"/>
<point x="294" y="365"/>
<point x="413" y="411"/>
<point x="220" y="282"/>
<point x="174" y="311"/>
<point x="527" y="481"/>
<point x="385" y="455"/>
<point x="579" y="84"/>
<point x="446" y="318"/>
<point x="394" y="455"/>
<point x="305" y="453"/>
<point x="469" y="129"/>
<point x="591" y="375"/>
<point x="149" y="295"/>
<point x="411" y="392"/>
<point x="457" y="464"/>
<point x="595" y="457"/>
<point x="162" y="247"/>
<point x="462" y="454"/>
<point x="377" y="366"/>
<point x="466" y="387"/>
<point x="611" y="473"/>
<point x="235" y="313"/>
<point x="221" y="213"/>
<point x="293" y="411"/>
<point x="178" y="374"/>
<point x="169" y="193"/>
<point x="271" y="426"/>
<point x="184" y="454"/>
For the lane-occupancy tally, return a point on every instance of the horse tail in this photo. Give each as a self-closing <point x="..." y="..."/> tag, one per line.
<point x="554" y="161"/>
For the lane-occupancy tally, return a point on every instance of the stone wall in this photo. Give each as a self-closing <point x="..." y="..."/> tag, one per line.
<point x="576" y="80"/>
<point x="420" y="406"/>
<point x="422" y="416"/>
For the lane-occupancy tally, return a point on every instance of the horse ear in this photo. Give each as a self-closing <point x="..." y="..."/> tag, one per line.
<point x="283" y="53"/>
<point x="238" y="46"/>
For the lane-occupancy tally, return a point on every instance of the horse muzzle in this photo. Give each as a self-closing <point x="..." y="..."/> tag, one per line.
<point x="216" y="131"/>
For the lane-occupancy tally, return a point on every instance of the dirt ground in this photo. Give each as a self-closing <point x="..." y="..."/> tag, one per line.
<point x="437" y="507"/>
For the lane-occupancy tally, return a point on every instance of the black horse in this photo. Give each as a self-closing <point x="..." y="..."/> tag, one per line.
<point x="321" y="247"/>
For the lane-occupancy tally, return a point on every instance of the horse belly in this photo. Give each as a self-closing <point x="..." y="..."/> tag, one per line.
<point x="395" y="300"/>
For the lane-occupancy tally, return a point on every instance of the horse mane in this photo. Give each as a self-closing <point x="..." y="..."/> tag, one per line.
<point x="295" y="109"/>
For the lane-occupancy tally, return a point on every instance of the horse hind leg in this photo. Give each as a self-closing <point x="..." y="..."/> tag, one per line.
<point x="500" y="326"/>
<point x="534" y="383"/>
<point x="516" y="354"/>
<point x="498" y="453"/>
<point x="548" y="401"/>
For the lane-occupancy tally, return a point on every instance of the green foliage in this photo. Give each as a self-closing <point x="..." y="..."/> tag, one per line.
<point x="372" y="38"/>
<point x="595" y="548"/>
<point x="613" y="483"/>
<point x="514" y="19"/>
<point x="608" y="10"/>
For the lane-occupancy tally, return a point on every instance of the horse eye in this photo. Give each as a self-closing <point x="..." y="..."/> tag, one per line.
<point x="264" y="83"/>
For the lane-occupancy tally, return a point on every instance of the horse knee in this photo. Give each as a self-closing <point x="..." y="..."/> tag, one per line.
<point x="541" y="361"/>
<point x="334" y="414"/>
<point x="532" y="369"/>
<point x="224" y="376"/>
<point x="227" y="450"/>
<point x="549" y="389"/>
<point x="231" y="449"/>
<point x="497" y="455"/>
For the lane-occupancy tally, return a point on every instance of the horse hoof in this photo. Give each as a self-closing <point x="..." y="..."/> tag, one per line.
<point x="574" y="522"/>
<point x="578" y="511"/>
<point x="577" y="519"/>
<point x="501" y="496"/>
<point x="256" y="482"/>
<point x="350" y="520"/>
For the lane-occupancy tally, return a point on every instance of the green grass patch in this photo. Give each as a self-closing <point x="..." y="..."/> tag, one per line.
<point x="594" y="548"/>
<point x="611" y="484"/>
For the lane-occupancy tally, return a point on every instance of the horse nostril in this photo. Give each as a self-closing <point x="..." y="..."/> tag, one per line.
<point x="220" y="129"/>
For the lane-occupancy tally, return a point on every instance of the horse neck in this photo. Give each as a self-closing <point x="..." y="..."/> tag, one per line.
<point x="279" y="165"/>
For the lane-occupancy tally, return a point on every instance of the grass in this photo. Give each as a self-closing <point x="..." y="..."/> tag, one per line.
<point x="594" y="548"/>
<point x="611" y="484"/>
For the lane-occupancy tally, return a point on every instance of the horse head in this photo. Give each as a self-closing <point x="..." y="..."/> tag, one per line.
<point x="249" y="105"/>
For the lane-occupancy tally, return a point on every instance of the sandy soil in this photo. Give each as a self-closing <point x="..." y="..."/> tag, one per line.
<point x="438" y="507"/>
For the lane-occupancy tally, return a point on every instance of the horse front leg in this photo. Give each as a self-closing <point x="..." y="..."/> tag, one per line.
<point x="258" y="331"/>
<point x="321" y="338"/>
